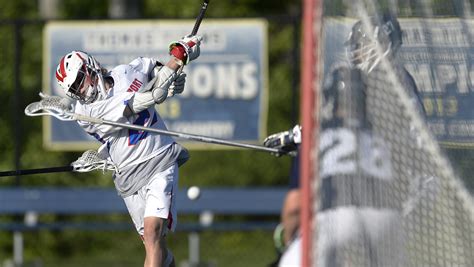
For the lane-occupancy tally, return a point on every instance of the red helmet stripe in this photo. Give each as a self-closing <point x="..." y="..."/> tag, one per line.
<point x="79" y="55"/>
<point x="58" y="77"/>
<point x="62" y="71"/>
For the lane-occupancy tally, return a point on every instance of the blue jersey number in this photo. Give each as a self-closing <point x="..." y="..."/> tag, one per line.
<point x="134" y="136"/>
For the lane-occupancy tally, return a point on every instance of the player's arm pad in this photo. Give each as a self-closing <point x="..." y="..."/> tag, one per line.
<point x="155" y="91"/>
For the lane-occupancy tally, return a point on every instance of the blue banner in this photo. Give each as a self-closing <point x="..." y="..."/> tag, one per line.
<point x="439" y="54"/>
<point x="226" y="88"/>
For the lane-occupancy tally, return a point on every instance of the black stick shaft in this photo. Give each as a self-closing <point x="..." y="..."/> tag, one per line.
<point x="37" y="171"/>
<point x="200" y="17"/>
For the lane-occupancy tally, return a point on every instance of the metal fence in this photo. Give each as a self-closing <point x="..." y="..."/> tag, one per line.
<point x="222" y="218"/>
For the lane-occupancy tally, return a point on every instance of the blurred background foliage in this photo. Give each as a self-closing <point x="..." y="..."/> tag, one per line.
<point x="207" y="168"/>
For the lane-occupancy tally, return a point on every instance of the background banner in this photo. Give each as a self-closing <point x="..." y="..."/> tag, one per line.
<point x="226" y="90"/>
<point x="440" y="59"/>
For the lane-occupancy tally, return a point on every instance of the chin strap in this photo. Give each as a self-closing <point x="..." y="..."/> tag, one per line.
<point x="102" y="90"/>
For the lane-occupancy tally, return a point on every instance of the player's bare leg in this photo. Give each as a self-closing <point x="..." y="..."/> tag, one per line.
<point x="154" y="238"/>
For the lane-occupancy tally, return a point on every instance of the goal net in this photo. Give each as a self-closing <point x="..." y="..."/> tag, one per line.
<point x="390" y="83"/>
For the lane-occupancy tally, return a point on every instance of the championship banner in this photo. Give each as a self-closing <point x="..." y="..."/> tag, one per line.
<point x="226" y="90"/>
<point x="440" y="58"/>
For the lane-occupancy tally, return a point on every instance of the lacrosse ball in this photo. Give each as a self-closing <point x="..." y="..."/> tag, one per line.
<point x="194" y="192"/>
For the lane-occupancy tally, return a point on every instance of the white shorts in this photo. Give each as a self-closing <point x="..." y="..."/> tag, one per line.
<point x="156" y="199"/>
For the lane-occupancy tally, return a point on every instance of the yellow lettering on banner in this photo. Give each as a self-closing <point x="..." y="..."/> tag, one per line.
<point x="170" y="109"/>
<point x="439" y="106"/>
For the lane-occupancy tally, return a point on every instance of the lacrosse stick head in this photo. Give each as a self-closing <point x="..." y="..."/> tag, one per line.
<point x="91" y="160"/>
<point x="80" y="77"/>
<point x="56" y="106"/>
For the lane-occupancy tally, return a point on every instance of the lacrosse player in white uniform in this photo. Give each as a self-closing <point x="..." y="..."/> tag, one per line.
<point x="148" y="163"/>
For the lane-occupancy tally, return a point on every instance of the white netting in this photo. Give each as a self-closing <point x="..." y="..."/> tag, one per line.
<point x="387" y="196"/>
<point x="91" y="160"/>
<point x="56" y="106"/>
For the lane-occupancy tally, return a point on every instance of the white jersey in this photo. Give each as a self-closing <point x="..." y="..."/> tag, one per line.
<point x="126" y="147"/>
<point x="292" y="255"/>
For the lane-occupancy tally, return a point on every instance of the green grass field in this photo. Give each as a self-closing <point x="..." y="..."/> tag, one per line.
<point x="93" y="249"/>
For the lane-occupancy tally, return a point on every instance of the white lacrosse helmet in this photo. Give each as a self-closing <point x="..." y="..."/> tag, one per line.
<point x="73" y="70"/>
<point x="363" y="41"/>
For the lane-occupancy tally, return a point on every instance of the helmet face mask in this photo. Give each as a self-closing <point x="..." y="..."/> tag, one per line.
<point x="78" y="76"/>
<point x="368" y="44"/>
<point x="77" y="91"/>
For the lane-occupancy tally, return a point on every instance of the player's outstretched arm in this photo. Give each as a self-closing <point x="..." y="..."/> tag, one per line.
<point x="168" y="80"/>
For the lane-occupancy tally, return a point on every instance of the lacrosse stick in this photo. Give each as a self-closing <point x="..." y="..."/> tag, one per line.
<point x="197" y="24"/>
<point x="61" y="109"/>
<point x="88" y="161"/>
<point x="200" y="17"/>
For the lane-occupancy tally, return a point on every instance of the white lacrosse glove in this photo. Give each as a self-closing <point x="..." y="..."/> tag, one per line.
<point x="186" y="49"/>
<point x="177" y="87"/>
<point x="286" y="141"/>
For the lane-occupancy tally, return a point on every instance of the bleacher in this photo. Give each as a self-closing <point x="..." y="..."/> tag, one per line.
<point x="75" y="201"/>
